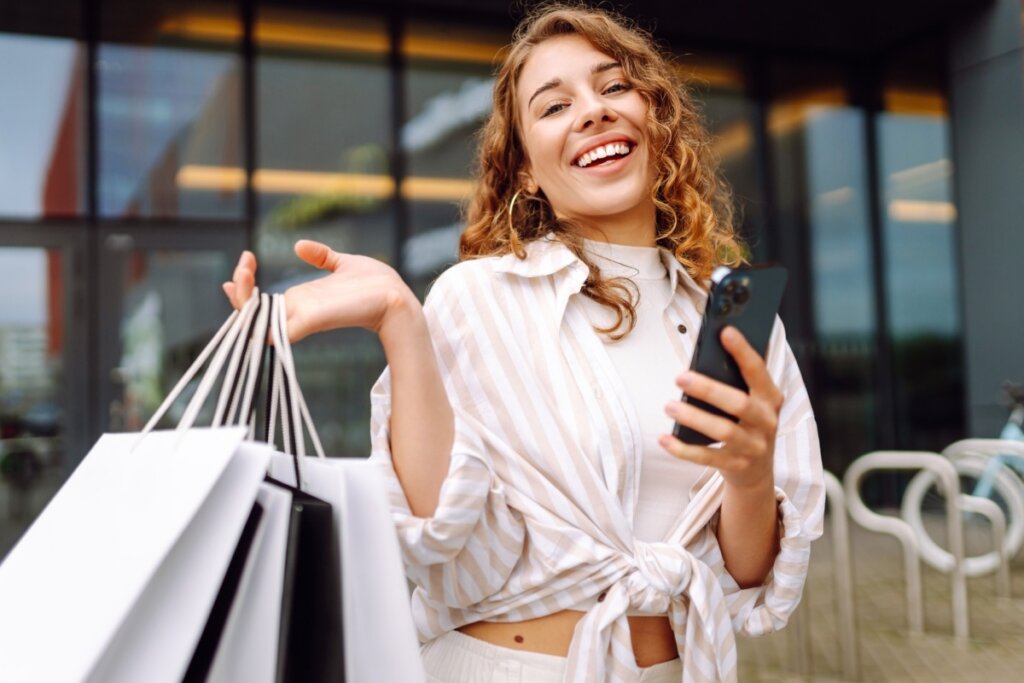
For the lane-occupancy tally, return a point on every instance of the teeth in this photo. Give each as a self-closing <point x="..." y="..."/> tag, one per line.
<point x="602" y="152"/>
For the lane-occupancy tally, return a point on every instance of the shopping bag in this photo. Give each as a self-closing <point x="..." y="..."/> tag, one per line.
<point x="311" y="645"/>
<point x="248" y="645"/>
<point x="115" y="579"/>
<point x="209" y="641"/>
<point x="380" y="641"/>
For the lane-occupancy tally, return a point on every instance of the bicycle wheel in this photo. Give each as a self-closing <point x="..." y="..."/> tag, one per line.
<point x="923" y="498"/>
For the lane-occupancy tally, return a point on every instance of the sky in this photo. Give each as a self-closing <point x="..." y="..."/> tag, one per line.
<point x="32" y="105"/>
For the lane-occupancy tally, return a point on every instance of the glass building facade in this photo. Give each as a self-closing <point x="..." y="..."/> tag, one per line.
<point x="143" y="146"/>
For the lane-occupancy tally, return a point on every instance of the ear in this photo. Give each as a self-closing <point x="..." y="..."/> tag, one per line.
<point x="527" y="182"/>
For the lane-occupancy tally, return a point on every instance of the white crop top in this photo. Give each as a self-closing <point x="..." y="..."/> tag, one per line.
<point x="648" y="367"/>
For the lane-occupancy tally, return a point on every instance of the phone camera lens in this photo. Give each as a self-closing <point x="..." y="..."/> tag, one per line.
<point x="741" y="295"/>
<point x="724" y="307"/>
<point x="730" y="287"/>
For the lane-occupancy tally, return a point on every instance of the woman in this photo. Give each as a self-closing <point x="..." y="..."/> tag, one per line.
<point x="552" y="529"/>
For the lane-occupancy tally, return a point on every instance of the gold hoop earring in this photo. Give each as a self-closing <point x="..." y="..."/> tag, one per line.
<point x="511" y="206"/>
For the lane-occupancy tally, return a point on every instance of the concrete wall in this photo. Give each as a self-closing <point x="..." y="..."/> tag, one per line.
<point x="987" y="111"/>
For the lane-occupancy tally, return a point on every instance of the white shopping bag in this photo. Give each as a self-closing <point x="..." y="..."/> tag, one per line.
<point x="380" y="638"/>
<point x="115" y="579"/>
<point x="249" y="643"/>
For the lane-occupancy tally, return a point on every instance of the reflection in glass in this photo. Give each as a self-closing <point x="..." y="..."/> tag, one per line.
<point x="42" y="165"/>
<point x="448" y="96"/>
<point x="719" y="86"/>
<point x="818" y="152"/>
<point x="170" y="308"/>
<point x="918" y="223"/>
<point x="170" y="132"/>
<point x="32" y="393"/>
<point x="323" y="116"/>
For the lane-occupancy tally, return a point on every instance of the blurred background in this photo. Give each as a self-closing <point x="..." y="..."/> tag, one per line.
<point x="875" y="148"/>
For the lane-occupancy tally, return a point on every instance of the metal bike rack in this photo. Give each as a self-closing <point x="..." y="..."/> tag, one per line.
<point x="989" y="448"/>
<point x="944" y="469"/>
<point x="988" y="508"/>
<point x="843" y="575"/>
<point x="799" y="631"/>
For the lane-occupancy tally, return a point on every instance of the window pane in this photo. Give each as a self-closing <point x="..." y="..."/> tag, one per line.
<point x="33" y="384"/>
<point x="170" y="122"/>
<point x="169" y="309"/>
<point x="919" y="223"/>
<point x="42" y="151"/>
<point x="448" y="95"/>
<point x="731" y="116"/>
<point x="818" y="154"/>
<point x="324" y="139"/>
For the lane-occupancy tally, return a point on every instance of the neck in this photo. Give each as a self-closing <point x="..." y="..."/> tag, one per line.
<point x="633" y="228"/>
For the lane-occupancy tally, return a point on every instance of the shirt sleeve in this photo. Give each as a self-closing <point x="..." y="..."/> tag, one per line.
<point x="466" y="550"/>
<point x="800" y="496"/>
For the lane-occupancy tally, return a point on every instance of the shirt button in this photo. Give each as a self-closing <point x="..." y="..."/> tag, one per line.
<point x="602" y="596"/>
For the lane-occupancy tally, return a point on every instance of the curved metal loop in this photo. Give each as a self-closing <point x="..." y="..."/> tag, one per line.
<point x="946" y="472"/>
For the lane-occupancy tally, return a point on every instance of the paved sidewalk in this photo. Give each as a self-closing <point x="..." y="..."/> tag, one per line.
<point x="994" y="653"/>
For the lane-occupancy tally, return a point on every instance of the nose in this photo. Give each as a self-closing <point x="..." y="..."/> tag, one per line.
<point x="592" y="111"/>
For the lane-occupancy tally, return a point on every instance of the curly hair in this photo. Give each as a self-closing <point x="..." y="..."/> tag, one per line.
<point x="693" y="203"/>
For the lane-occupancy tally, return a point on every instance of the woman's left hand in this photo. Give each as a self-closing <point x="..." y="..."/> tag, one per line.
<point x="748" y="446"/>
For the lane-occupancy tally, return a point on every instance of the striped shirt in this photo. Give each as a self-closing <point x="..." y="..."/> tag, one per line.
<point x="535" y="514"/>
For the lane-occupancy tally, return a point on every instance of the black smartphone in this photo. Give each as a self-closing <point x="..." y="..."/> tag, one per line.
<point x="748" y="299"/>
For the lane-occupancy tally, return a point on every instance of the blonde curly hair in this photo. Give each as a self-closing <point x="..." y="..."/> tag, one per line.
<point x="693" y="203"/>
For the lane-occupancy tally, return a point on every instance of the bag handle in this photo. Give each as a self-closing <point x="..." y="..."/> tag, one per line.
<point x="287" y="385"/>
<point x="237" y="400"/>
<point x="220" y="343"/>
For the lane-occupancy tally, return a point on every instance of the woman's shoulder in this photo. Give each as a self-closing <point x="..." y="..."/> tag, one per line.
<point x="473" y="271"/>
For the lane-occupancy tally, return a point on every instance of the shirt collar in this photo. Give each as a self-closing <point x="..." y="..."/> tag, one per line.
<point x="549" y="256"/>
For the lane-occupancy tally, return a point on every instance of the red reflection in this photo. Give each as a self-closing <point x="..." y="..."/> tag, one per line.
<point x="61" y="189"/>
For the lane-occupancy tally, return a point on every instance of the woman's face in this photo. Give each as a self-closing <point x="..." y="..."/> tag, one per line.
<point x="584" y="128"/>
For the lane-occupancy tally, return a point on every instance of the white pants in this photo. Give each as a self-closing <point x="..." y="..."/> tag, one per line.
<point x="458" y="658"/>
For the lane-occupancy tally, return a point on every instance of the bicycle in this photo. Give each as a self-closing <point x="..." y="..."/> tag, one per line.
<point x="988" y="468"/>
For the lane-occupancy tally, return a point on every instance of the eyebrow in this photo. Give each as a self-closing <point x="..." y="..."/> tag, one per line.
<point x="555" y="82"/>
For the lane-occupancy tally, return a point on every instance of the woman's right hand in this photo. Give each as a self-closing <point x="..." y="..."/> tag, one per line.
<point x="359" y="291"/>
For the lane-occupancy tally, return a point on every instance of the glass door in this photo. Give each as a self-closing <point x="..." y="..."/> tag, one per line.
<point x="161" y="302"/>
<point x="44" y="353"/>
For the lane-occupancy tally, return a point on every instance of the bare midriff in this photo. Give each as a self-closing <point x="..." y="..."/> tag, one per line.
<point x="653" y="640"/>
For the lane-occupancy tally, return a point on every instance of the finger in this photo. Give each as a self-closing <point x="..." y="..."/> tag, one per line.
<point x="248" y="260"/>
<point x="713" y="426"/>
<point x="243" y="282"/>
<point x="318" y="254"/>
<point x="244" y="278"/>
<point x="719" y="394"/>
<point x="702" y="455"/>
<point x="750" y="362"/>
<point x="229" y="290"/>
<point x="751" y="410"/>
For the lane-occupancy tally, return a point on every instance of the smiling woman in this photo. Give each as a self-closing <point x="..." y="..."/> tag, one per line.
<point x="553" y="529"/>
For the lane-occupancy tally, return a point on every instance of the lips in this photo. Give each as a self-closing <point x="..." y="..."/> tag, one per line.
<point x="605" y="150"/>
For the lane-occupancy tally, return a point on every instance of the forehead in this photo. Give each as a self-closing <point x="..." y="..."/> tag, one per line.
<point x="561" y="57"/>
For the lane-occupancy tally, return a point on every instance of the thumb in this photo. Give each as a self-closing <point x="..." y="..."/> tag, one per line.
<point x="318" y="254"/>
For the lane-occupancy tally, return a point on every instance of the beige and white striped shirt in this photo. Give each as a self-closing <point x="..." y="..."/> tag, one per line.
<point x="536" y="512"/>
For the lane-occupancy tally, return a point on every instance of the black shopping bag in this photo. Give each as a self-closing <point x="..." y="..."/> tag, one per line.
<point x="311" y="647"/>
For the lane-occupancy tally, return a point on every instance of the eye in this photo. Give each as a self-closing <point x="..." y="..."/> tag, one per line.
<point x="617" y="86"/>
<point x="552" y="108"/>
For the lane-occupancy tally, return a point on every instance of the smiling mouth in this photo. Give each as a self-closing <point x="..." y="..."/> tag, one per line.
<point x="604" y="154"/>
